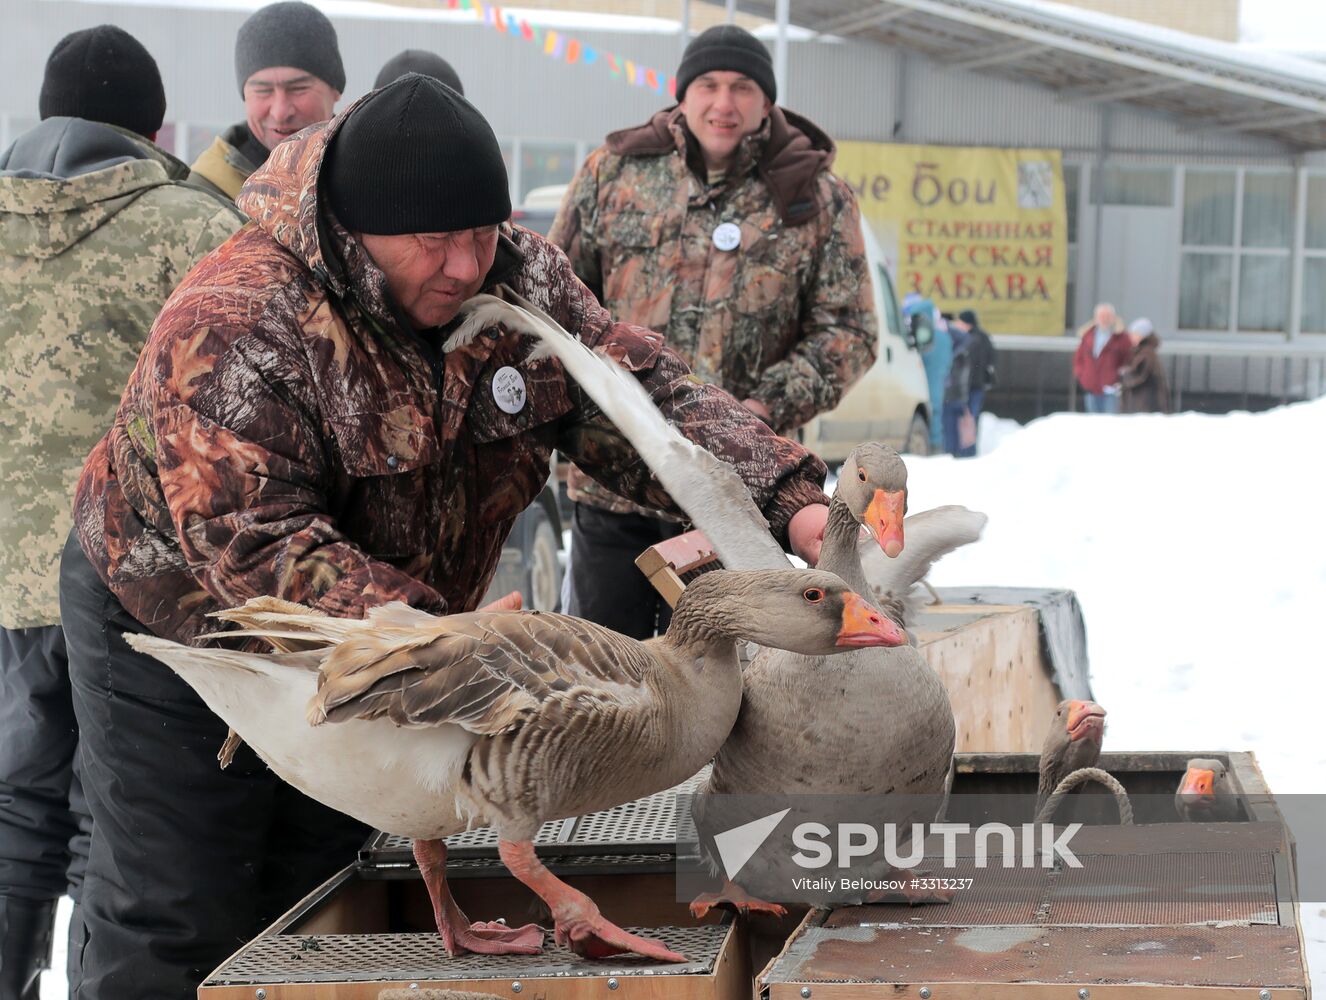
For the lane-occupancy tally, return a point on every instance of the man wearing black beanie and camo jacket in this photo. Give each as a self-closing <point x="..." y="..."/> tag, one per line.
<point x="718" y="224"/>
<point x="298" y="427"/>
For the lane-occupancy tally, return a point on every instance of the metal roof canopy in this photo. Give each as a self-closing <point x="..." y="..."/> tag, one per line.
<point x="1091" y="58"/>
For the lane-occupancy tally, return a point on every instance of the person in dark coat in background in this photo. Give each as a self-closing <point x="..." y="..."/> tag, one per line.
<point x="984" y="360"/>
<point x="957" y="393"/>
<point x="1145" y="388"/>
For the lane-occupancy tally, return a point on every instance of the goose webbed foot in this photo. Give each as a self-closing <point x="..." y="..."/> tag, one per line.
<point x="458" y="933"/>
<point x="736" y="897"/>
<point x="579" y="925"/>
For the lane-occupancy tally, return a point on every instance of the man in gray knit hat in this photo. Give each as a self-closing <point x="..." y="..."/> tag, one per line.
<point x="288" y="67"/>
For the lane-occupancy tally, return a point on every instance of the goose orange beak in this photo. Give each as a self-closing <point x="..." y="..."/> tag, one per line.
<point x="884" y="519"/>
<point x="1198" y="785"/>
<point x="1085" y="719"/>
<point x="865" y="626"/>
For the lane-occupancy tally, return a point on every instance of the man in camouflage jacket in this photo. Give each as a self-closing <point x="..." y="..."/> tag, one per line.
<point x="718" y="224"/>
<point x="96" y="228"/>
<point x="296" y="428"/>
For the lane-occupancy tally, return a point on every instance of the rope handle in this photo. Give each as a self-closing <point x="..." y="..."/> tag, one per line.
<point x="1081" y="776"/>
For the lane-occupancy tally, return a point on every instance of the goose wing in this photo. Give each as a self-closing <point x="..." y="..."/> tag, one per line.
<point x="931" y="535"/>
<point x="708" y="490"/>
<point x="485" y="671"/>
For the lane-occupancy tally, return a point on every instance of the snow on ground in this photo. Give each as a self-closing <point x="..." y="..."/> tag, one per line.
<point x="1195" y="546"/>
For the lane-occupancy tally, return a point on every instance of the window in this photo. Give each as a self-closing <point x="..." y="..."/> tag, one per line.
<point x="1122" y="185"/>
<point x="1314" y="295"/>
<point x="1208" y="208"/>
<point x="891" y="315"/>
<point x="1314" y="257"/>
<point x="1268" y="209"/>
<point x="1238" y="226"/>
<point x="1264" y="293"/>
<point x="1204" y="289"/>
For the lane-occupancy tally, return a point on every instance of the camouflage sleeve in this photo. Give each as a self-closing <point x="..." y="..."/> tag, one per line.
<point x="220" y="227"/>
<point x="782" y="476"/>
<point x="245" y="472"/>
<point x="573" y="229"/>
<point x="839" y="331"/>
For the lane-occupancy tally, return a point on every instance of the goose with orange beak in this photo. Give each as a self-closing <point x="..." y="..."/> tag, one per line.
<point x="1073" y="742"/>
<point x="870" y="722"/>
<point x="1205" y="793"/>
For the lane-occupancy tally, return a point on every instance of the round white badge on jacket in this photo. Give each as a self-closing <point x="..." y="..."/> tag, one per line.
<point x="727" y="236"/>
<point x="509" y="390"/>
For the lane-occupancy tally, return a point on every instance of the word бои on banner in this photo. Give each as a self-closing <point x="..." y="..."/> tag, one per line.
<point x="559" y="46"/>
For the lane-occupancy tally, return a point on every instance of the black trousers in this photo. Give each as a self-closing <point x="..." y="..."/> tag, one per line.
<point x="606" y="586"/>
<point x="45" y="831"/>
<point x="44" y="828"/>
<point x="188" y="861"/>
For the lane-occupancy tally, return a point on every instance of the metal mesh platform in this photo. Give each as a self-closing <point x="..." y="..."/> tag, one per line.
<point x="647" y="826"/>
<point x="298" y="958"/>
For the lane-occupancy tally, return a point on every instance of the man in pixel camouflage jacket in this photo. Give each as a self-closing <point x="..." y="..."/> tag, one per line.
<point x="96" y="228"/>
<point x="296" y="428"/>
<point x="718" y="224"/>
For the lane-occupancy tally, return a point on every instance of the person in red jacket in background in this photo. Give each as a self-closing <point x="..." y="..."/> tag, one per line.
<point x="1103" y="350"/>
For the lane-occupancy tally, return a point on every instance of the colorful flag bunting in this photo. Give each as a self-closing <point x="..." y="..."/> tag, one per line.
<point x="572" y="50"/>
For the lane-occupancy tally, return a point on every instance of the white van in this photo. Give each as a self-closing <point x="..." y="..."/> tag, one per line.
<point x="891" y="403"/>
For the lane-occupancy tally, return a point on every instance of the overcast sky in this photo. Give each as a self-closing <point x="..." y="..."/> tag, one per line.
<point x="1291" y="24"/>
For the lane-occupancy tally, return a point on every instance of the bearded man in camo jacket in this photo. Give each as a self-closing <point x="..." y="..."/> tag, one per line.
<point x="718" y="224"/>
<point x="96" y="228"/>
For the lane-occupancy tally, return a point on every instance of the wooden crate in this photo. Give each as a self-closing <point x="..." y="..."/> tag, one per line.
<point x="362" y="936"/>
<point x="990" y="660"/>
<point x="989" y="656"/>
<point x="1104" y="939"/>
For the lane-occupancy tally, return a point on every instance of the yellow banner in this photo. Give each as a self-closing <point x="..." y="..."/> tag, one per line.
<point x="969" y="227"/>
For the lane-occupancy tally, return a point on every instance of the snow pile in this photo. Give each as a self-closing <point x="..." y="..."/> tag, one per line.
<point x="1195" y="545"/>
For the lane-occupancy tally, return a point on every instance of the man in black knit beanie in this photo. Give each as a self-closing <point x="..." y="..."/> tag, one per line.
<point x="720" y="224"/>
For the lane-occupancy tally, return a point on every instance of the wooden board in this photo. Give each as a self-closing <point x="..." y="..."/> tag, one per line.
<point x="990" y="660"/>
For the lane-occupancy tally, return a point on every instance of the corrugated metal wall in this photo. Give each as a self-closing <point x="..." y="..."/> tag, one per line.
<point x="853" y="90"/>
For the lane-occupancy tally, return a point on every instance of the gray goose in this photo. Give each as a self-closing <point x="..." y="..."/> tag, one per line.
<point x="1206" y="794"/>
<point x="424" y="726"/>
<point x="1073" y="742"/>
<point x="871" y="722"/>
